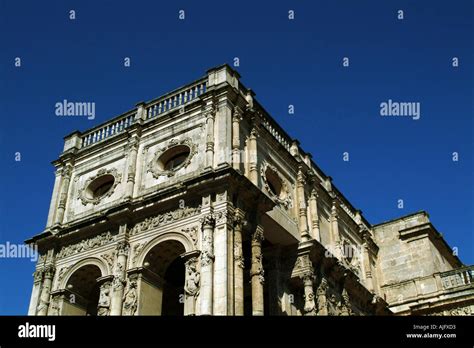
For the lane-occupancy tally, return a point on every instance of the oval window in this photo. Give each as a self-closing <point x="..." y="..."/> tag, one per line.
<point x="174" y="158"/>
<point x="100" y="186"/>
<point x="274" y="182"/>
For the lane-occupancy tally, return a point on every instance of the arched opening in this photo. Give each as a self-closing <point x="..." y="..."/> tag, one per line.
<point x="164" y="285"/>
<point x="83" y="291"/>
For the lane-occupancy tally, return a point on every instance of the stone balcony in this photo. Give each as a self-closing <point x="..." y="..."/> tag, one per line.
<point x="433" y="293"/>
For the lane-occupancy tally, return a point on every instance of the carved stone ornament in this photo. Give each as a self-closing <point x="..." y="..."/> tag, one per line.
<point x="103" y="307"/>
<point x="109" y="259"/>
<point x="238" y="256"/>
<point x="191" y="285"/>
<point x="192" y="232"/>
<point x="284" y="198"/>
<point x="162" y="219"/>
<point x="136" y="250"/>
<point x="54" y="307"/>
<point x="83" y="193"/>
<point x="61" y="274"/>
<point x="130" y="299"/>
<point x="156" y="168"/>
<point x="85" y="244"/>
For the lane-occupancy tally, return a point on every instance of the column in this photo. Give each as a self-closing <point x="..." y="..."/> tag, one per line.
<point x="66" y="177"/>
<point x="303" y="219"/>
<point x="321" y="293"/>
<point x="256" y="271"/>
<point x="238" y="266"/>
<point x="252" y="148"/>
<point x="236" y="118"/>
<point x="335" y="239"/>
<point x="36" y="292"/>
<point x="313" y="206"/>
<point x="46" y="290"/>
<point x="132" y="149"/>
<point x="54" y="198"/>
<point x="309" y="303"/>
<point x="118" y="283"/>
<point x="210" y="117"/>
<point x="367" y="264"/>
<point x="207" y="263"/>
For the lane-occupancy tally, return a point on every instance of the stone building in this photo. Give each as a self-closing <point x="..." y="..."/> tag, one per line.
<point x="199" y="203"/>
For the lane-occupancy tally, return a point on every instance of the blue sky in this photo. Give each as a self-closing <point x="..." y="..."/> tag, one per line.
<point x="285" y="62"/>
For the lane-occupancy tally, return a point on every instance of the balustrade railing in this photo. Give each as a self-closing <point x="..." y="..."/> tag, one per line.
<point x="159" y="106"/>
<point x="282" y="139"/>
<point x="108" y="129"/>
<point x="176" y="99"/>
<point x="458" y="277"/>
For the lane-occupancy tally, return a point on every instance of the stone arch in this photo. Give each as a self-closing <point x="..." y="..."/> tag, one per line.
<point x="161" y="285"/>
<point x="94" y="261"/>
<point x="176" y="236"/>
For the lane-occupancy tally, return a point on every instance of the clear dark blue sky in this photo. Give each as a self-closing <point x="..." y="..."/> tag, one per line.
<point x="285" y="62"/>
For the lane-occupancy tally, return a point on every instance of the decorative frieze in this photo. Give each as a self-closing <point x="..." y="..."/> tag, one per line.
<point x="86" y="244"/>
<point x="163" y="219"/>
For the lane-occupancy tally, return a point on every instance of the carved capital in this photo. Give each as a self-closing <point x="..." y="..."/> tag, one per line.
<point x="123" y="248"/>
<point x="257" y="235"/>
<point x="208" y="221"/>
<point x="49" y="272"/>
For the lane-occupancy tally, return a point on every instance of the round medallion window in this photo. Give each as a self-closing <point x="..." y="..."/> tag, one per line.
<point x="100" y="186"/>
<point x="174" y="158"/>
<point x="275" y="184"/>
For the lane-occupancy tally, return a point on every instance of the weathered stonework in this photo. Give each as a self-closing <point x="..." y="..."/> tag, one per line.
<point x="210" y="208"/>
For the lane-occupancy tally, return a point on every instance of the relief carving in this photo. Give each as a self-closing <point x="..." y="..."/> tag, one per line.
<point x="103" y="307"/>
<point x="130" y="299"/>
<point x="162" y="219"/>
<point x="85" y="244"/>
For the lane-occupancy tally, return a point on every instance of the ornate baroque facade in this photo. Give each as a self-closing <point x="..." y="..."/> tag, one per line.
<point x="199" y="203"/>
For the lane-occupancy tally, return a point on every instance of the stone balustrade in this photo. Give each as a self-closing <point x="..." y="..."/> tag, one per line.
<point x="153" y="109"/>
<point x="458" y="277"/>
<point x="176" y="99"/>
<point x="284" y="140"/>
<point x="111" y="128"/>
